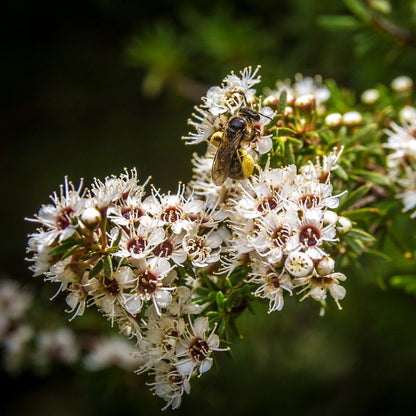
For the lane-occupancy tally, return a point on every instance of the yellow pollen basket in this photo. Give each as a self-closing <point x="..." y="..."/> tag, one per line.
<point x="247" y="162"/>
<point x="216" y="138"/>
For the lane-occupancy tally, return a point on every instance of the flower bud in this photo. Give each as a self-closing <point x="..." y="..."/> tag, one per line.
<point x="344" y="225"/>
<point x="271" y="100"/>
<point x="407" y="114"/>
<point x="402" y="84"/>
<point x="325" y="266"/>
<point x="288" y="111"/>
<point x="352" y="118"/>
<point x="370" y="96"/>
<point x="330" y="217"/>
<point x="333" y="120"/>
<point x="91" y="217"/>
<point x="305" y="102"/>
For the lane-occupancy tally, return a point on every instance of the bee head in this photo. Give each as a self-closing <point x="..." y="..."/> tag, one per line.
<point x="249" y="114"/>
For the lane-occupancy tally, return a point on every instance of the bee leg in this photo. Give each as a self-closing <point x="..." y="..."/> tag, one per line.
<point x="247" y="162"/>
<point x="216" y="138"/>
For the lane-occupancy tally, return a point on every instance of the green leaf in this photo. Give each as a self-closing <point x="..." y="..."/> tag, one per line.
<point x="70" y="251"/>
<point x="116" y="242"/>
<point x="219" y="297"/>
<point x="108" y="266"/>
<point x="63" y="247"/>
<point x="282" y="101"/>
<point x="339" y="23"/>
<point x="233" y="330"/>
<point x="289" y="156"/>
<point x="373" y="177"/>
<point x="361" y="235"/>
<point x="97" y="268"/>
<point x="340" y="172"/>
<point x="378" y="253"/>
<point x="357" y="7"/>
<point x="407" y="282"/>
<point x="286" y="131"/>
<point x="362" y="214"/>
<point x="233" y="300"/>
<point x="354" y="197"/>
<point x="355" y="245"/>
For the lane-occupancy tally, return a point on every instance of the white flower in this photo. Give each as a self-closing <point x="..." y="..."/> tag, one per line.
<point x="205" y="125"/>
<point x="149" y="276"/>
<point x="130" y="211"/>
<point x="204" y="249"/>
<point x="299" y="264"/>
<point x="115" y="188"/>
<point x="407" y="114"/>
<point x="333" y="120"/>
<point x="138" y="242"/>
<point x="169" y="384"/>
<point x="352" y="118"/>
<point x="402" y="83"/>
<point x="271" y="283"/>
<point x="312" y="231"/>
<point x="13" y="303"/>
<point x="370" y="96"/>
<point x="304" y="86"/>
<point x="317" y="287"/>
<point x="402" y="141"/>
<point x="109" y="293"/>
<point x="408" y="195"/>
<point x="272" y="233"/>
<point x="61" y="218"/>
<point x="234" y="93"/>
<point x="57" y="345"/>
<point x="195" y="348"/>
<point x="176" y="211"/>
<point x="311" y="194"/>
<point x="113" y="351"/>
<point x="171" y="248"/>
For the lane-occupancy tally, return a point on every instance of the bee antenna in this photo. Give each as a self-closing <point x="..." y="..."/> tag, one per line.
<point x="274" y="121"/>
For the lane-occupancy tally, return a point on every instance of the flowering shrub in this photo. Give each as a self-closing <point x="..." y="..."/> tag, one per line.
<point x="292" y="189"/>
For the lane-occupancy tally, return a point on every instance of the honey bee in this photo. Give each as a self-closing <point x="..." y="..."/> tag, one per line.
<point x="231" y="159"/>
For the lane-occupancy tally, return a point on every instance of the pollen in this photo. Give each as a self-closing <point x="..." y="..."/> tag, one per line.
<point x="171" y="214"/>
<point x="310" y="201"/>
<point x="281" y="235"/>
<point x="147" y="282"/>
<point x="199" y="349"/>
<point x="164" y="249"/>
<point x="309" y="235"/>
<point x="267" y="204"/>
<point x="137" y="245"/>
<point x="63" y="220"/>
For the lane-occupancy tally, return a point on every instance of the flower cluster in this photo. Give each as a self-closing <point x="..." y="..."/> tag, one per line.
<point x="283" y="224"/>
<point x="24" y="346"/>
<point x="296" y="182"/>
<point x="117" y="248"/>
<point x="401" y="161"/>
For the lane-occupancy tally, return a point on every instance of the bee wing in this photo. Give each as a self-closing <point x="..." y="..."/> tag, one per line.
<point x="224" y="158"/>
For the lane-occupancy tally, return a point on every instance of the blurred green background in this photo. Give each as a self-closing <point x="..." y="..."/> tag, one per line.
<point x="93" y="86"/>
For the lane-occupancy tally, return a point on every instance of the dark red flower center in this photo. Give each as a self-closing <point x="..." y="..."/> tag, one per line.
<point x="164" y="249"/>
<point x="137" y="245"/>
<point x="310" y="201"/>
<point x="199" y="349"/>
<point x="309" y="235"/>
<point x="171" y="214"/>
<point x="147" y="282"/>
<point x="267" y="204"/>
<point x="280" y="235"/>
<point x="63" y="220"/>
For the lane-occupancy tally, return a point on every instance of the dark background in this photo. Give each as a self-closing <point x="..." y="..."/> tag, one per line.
<point x="77" y="102"/>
